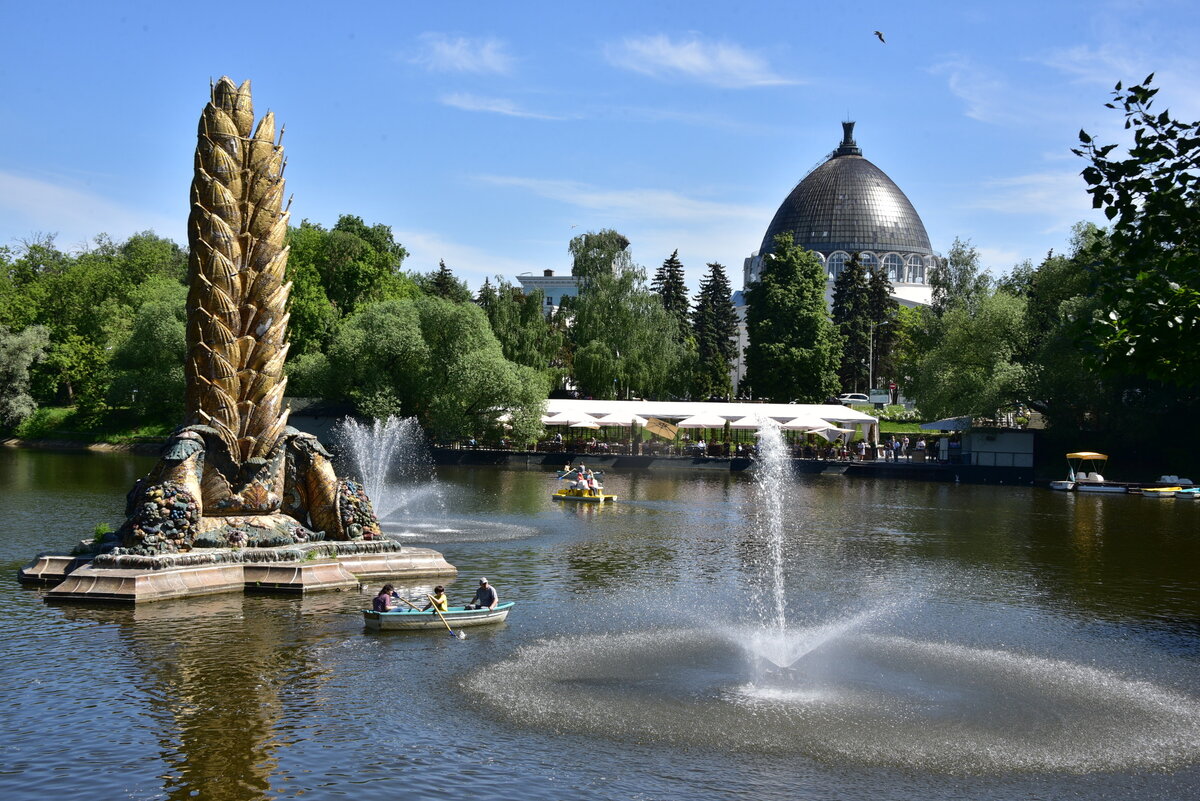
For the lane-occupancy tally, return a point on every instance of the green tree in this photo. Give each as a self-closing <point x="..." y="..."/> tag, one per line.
<point x="469" y="382"/>
<point x="603" y="253"/>
<point x="959" y="280"/>
<point x="973" y="369"/>
<point x="439" y="361"/>
<point x="441" y="283"/>
<point x="881" y="309"/>
<point x="148" y="364"/>
<point x="380" y="358"/>
<point x="715" y="329"/>
<point x="18" y="351"/>
<point x="913" y="332"/>
<point x="1148" y="282"/>
<point x="794" y="348"/>
<point x="520" y="324"/>
<point x="851" y="313"/>
<point x="313" y="316"/>
<point x="335" y="271"/>
<point x="624" y="343"/>
<point x="668" y="283"/>
<point x="355" y="264"/>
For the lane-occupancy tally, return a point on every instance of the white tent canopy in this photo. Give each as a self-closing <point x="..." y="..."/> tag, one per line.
<point x="623" y="419"/>
<point x="804" y="424"/>
<point x="702" y="421"/>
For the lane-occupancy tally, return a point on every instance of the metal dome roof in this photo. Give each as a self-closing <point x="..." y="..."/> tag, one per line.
<point x="849" y="204"/>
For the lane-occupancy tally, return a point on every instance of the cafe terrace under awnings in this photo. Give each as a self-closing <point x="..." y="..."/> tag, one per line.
<point x="835" y="415"/>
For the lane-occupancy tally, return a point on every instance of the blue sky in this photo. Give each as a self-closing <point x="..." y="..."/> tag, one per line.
<point x="489" y="134"/>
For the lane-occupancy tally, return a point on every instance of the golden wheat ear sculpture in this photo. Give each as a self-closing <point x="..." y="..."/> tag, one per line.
<point x="237" y="303"/>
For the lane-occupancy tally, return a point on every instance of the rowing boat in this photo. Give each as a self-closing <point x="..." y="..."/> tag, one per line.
<point x="582" y="496"/>
<point x="412" y="620"/>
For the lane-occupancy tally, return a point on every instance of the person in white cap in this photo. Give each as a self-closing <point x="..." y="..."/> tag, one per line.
<point x="485" y="597"/>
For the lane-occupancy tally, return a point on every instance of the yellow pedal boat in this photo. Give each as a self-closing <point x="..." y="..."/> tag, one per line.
<point x="582" y="496"/>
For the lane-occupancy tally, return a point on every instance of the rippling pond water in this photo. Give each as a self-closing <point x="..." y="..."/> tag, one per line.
<point x="946" y="641"/>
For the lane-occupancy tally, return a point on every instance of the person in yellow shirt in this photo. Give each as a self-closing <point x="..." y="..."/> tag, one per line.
<point x="438" y="600"/>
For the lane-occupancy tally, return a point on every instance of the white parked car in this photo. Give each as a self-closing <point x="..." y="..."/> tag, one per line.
<point x="850" y="398"/>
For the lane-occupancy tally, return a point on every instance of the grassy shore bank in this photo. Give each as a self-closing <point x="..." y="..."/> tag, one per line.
<point x="67" y="424"/>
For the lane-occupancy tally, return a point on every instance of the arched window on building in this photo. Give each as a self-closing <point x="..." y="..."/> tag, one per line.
<point x="916" y="270"/>
<point x="837" y="260"/>
<point x="895" y="268"/>
<point x="869" y="261"/>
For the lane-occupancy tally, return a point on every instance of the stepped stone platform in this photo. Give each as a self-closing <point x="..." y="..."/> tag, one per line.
<point x="310" y="567"/>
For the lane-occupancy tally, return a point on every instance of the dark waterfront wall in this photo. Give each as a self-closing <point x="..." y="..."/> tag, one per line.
<point x="927" y="471"/>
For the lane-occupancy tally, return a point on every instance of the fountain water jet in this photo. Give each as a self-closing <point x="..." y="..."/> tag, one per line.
<point x="390" y="457"/>
<point x="775" y="645"/>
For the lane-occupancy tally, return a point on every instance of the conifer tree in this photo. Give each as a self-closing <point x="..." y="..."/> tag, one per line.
<point x="443" y="284"/>
<point x="794" y="348"/>
<point x="852" y="315"/>
<point x="714" y="325"/>
<point x="881" y="310"/>
<point x="669" y="285"/>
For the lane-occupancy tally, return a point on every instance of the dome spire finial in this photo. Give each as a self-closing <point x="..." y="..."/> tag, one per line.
<point x="848" y="146"/>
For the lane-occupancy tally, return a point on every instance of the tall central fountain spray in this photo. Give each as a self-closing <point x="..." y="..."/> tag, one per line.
<point x="770" y="487"/>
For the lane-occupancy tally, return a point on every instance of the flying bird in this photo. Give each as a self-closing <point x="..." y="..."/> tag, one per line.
<point x="880" y="35"/>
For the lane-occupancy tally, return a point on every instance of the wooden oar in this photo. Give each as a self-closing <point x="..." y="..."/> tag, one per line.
<point x="456" y="634"/>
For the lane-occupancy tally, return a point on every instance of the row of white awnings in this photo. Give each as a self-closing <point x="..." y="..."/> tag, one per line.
<point x="808" y="425"/>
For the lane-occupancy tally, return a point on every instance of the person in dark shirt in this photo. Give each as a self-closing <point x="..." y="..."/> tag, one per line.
<point x="383" y="601"/>
<point x="485" y="597"/>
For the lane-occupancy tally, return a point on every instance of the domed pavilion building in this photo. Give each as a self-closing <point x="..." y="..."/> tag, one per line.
<point x="846" y="206"/>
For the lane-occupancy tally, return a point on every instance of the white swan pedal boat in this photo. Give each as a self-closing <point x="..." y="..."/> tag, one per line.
<point x="412" y="620"/>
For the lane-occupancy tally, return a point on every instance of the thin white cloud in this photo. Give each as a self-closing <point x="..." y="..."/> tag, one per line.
<point x="74" y="215"/>
<point x="1104" y="65"/>
<point x="998" y="261"/>
<point x="639" y="204"/>
<point x="716" y="63"/>
<point x="658" y="221"/>
<point x="440" y="52"/>
<point x="1059" y="198"/>
<point x="987" y="95"/>
<point x="491" y="105"/>
<point x="470" y="263"/>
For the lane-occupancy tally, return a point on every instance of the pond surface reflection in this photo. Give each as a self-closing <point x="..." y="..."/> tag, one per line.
<point x="992" y="642"/>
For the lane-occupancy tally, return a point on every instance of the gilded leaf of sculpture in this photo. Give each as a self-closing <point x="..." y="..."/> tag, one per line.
<point x="237" y="306"/>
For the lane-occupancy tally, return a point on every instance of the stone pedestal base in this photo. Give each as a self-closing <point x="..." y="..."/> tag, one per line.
<point x="90" y="583"/>
<point x="295" y="569"/>
<point x="319" y="574"/>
